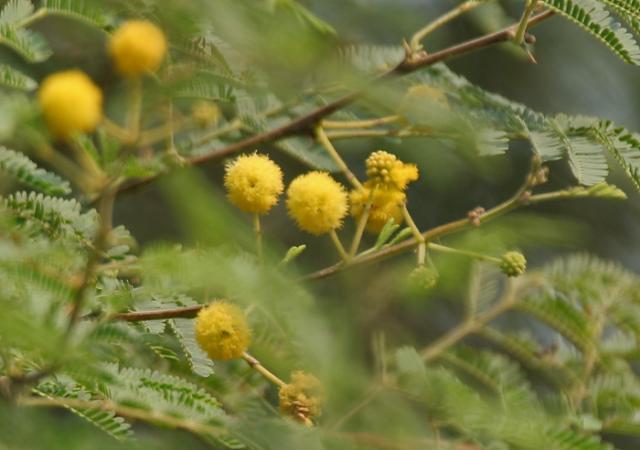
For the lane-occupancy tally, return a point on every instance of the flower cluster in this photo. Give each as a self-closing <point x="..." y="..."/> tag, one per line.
<point x="302" y="398"/>
<point x="222" y="331"/>
<point x="386" y="171"/>
<point x="385" y="204"/>
<point x="385" y="189"/>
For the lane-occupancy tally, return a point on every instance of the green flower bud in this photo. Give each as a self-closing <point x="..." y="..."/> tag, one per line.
<point x="423" y="278"/>
<point x="513" y="264"/>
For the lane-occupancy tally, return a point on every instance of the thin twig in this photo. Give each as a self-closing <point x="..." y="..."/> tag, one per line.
<point x="268" y="375"/>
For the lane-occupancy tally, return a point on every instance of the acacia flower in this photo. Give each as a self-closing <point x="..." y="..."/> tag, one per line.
<point x="137" y="47"/>
<point x="222" y="331"/>
<point x="253" y="183"/>
<point x="385" y="204"/>
<point x="387" y="171"/>
<point x="70" y="102"/>
<point x="205" y="114"/>
<point x="317" y="202"/>
<point x="302" y="397"/>
<point x="513" y="264"/>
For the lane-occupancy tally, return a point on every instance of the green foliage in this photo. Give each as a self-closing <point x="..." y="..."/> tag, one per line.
<point x="103" y="330"/>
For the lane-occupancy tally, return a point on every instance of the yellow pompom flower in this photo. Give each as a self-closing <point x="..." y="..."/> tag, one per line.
<point x="317" y="202"/>
<point x="70" y="102"/>
<point x="302" y="398"/>
<point x="253" y="183"/>
<point x="387" y="171"/>
<point x="137" y="47"/>
<point x="385" y="204"/>
<point x="222" y="331"/>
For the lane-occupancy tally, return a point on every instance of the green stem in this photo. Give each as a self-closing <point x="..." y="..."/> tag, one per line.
<point x="135" y="109"/>
<point x="349" y="124"/>
<point x="469" y="326"/>
<point x="524" y="21"/>
<point x="326" y="143"/>
<point x="470" y="254"/>
<point x="258" y="232"/>
<point x="338" y="244"/>
<point x="362" y="224"/>
<point x="268" y="375"/>
<point x="417" y="38"/>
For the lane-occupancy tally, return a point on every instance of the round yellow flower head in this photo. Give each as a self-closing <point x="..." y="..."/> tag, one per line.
<point x="253" y="183"/>
<point x="386" y="170"/>
<point x="302" y="398"/>
<point x="137" y="47"/>
<point x="205" y="114"/>
<point x="317" y="202"/>
<point x="70" y="102"/>
<point x="386" y="204"/>
<point x="222" y="331"/>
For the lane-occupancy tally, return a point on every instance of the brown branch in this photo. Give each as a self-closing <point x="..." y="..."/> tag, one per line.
<point x="304" y="124"/>
<point x="136" y="316"/>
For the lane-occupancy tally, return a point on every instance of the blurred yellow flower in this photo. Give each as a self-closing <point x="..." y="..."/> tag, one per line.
<point x="253" y="183"/>
<point x="387" y="171"/>
<point x="137" y="47"/>
<point x="317" y="202"/>
<point x="386" y="204"/>
<point x="302" y="398"/>
<point x="206" y="114"/>
<point x="70" y="102"/>
<point x="222" y="331"/>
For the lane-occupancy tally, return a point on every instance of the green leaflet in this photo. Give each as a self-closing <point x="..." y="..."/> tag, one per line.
<point x="20" y="167"/>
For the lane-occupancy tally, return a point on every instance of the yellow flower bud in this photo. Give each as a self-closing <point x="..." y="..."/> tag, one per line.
<point x="70" y="102"/>
<point x="137" y="47"/>
<point x="386" y="204"/>
<point x="205" y="114"/>
<point x="222" y="331"/>
<point x="317" y="202"/>
<point x="302" y="398"/>
<point x="387" y="171"/>
<point x="253" y="183"/>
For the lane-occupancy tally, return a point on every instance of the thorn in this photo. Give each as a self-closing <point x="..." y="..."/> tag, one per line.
<point x="532" y="58"/>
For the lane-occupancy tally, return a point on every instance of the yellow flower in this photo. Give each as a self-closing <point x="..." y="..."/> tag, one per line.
<point x="386" y="204"/>
<point x="205" y="114"/>
<point x="222" y="331"/>
<point x="317" y="202"/>
<point x="302" y="398"/>
<point x="387" y="171"/>
<point x="137" y="47"/>
<point x="70" y="102"/>
<point x="253" y="183"/>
